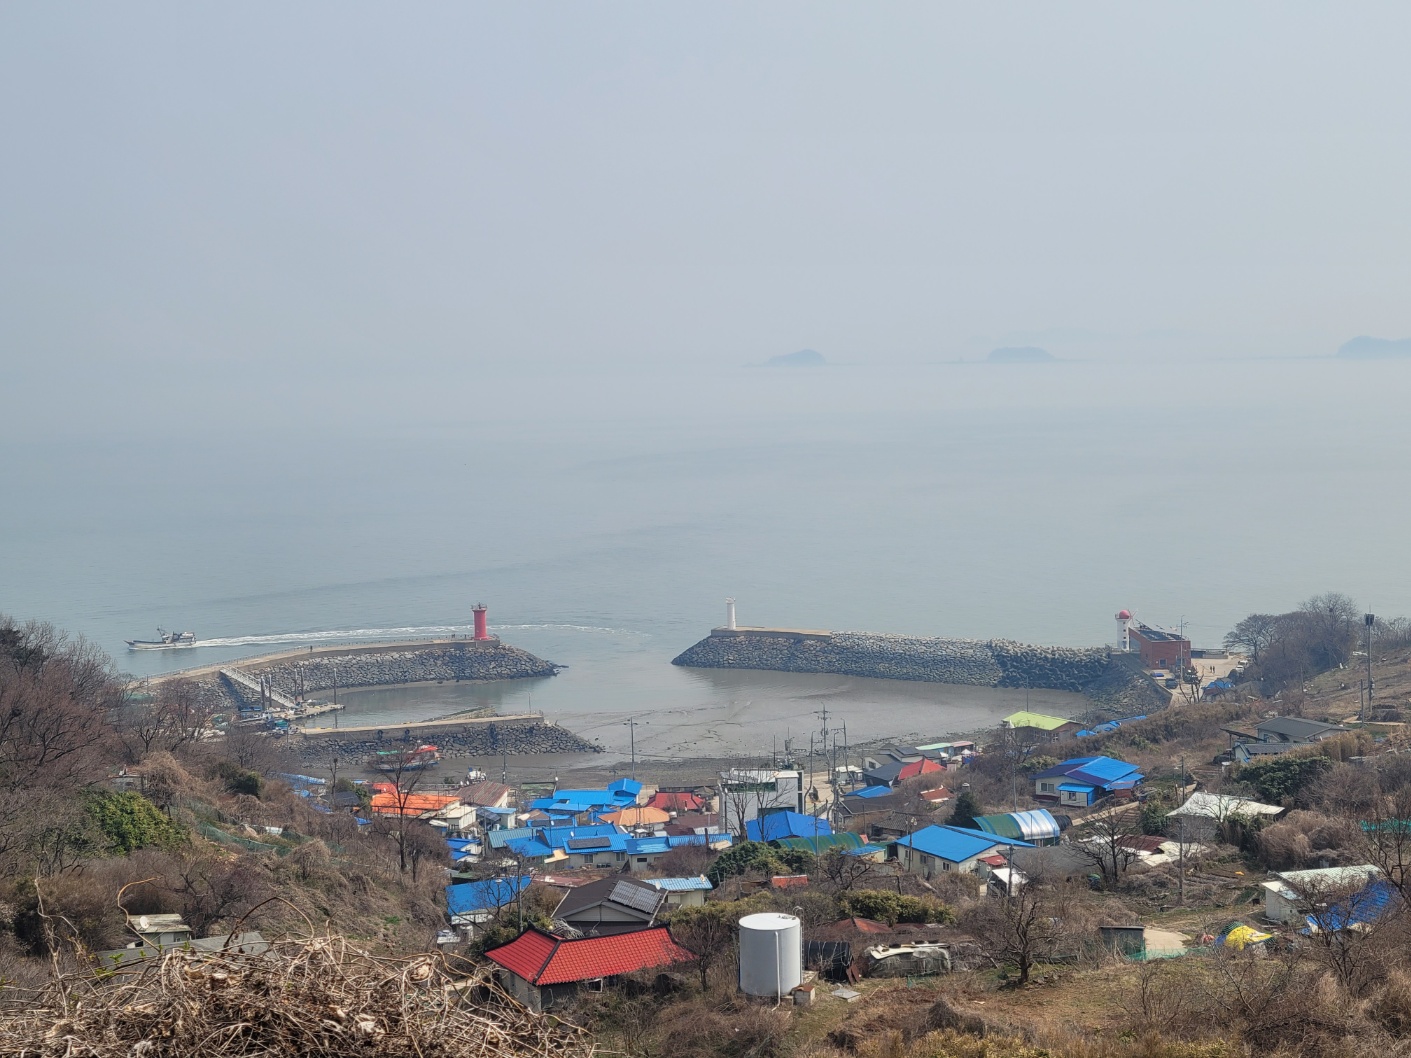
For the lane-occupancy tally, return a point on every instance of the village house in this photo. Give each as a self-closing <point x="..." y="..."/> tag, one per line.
<point x="935" y="850"/>
<point x="1296" y="729"/>
<point x="1039" y="728"/>
<point x="682" y="892"/>
<point x="1082" y="781"/>
<point x="475" y="903"/>
<point x="612" y="905"/>
<point x="1289" y="896"/>
<point x="544" y="972"/>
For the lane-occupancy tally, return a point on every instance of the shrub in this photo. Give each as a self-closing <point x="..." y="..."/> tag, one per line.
<point x="891" y="908"/>
<point x="128" y="822"/>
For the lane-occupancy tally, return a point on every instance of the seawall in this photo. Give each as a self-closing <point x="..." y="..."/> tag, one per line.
<point x="483" y="737"/>
<point x="1108" y="679"/>
<point x="302" y="673"/>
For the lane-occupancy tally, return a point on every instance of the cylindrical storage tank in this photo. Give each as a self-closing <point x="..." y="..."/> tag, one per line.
<point x="771" y="954"/>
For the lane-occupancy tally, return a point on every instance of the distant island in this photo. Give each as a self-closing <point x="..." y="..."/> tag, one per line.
<point x="803" y="358"/>
<point x="1367" y="348"/>
<point x="1019" y="354"/>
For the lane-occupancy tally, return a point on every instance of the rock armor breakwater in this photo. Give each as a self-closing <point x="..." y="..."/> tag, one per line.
<point x="1107" y="678"/>
<point x="482" y="740"/>
<point x="380" y="666"/>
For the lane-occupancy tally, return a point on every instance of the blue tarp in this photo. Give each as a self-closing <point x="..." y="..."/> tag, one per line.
<point x="1357" y="910"/>
<point x="786" y="825"/>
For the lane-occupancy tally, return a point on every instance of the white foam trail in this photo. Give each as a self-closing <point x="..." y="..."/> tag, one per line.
<point x="417" y="632"/>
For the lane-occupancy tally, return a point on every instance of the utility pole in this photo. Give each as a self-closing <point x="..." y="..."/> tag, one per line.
<point x="1369" y="620"/>
<point x="631" y="725"/>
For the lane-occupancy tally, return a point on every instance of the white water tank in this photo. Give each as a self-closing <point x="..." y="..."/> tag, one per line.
<point x="771" y="954"/>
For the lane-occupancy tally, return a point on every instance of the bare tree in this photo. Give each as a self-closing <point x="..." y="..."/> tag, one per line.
<point x="179" y="713"/>
<point x="1107" y="845"/>
<point x="1022" y="928"/>
<point x="1385" y="839"/>
<point x="1254" y="633"/>
<point x="56" y="696"/>
<point x="842" y="872"/>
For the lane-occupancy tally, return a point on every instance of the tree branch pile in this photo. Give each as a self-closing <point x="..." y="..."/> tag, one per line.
<point x="300" y="998"/>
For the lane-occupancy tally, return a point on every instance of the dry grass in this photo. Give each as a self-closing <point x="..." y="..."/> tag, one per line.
<point x="302" y="998"/>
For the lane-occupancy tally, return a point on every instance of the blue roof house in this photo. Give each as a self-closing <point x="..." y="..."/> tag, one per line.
<point x="471" y="903"/>
<point x="1082" y="781"/>
<point x="936" y="849"/>
<point x="776" y="825"/>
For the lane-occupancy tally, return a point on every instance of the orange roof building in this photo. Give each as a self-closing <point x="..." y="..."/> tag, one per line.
<point x="636" y="817"/>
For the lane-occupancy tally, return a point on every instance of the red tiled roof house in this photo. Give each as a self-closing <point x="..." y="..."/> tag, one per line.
<point x="543" y="971"/>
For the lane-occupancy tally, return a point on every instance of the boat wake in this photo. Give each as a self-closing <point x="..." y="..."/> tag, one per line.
<point x="410" y="632"/>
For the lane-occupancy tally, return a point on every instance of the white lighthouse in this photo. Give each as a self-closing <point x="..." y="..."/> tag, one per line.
<point x="730" y="613"/>
<point x="1125" y="621"/>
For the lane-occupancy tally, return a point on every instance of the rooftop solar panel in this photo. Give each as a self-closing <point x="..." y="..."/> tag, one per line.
<point x="589" y="843"/>
<point x="635" y="896"/>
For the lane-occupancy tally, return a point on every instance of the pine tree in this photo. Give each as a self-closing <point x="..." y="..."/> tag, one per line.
<point x="965" y="811"/>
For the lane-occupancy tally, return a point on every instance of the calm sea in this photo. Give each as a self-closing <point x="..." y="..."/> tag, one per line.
<point x="604" y="516"/>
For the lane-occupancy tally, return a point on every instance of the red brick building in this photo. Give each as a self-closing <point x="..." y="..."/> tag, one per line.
<point x="1161" y="650"/>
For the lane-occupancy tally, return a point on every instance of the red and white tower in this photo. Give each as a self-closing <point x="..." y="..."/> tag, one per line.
<point x="482" y="630"/>
<point x="1125" y="621"/>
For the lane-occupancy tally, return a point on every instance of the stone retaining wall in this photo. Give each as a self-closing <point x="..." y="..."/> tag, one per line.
<point x="479" y="740"/>
<point x="969" y="662"/>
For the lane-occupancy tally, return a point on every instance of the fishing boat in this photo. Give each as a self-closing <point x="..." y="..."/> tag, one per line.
<point x="165" y="641"/>
<point x="391" y="760"/>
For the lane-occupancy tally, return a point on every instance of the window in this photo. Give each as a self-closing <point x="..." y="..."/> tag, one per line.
<point x="945" y="866"/>
<point x="594" y="985"/>
<point x="619" y="856"/>
<point x="1046" y="787"/>
<point x="641" y="859"/>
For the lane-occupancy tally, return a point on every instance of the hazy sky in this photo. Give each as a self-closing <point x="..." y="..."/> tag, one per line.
<point x="382" y="191"/>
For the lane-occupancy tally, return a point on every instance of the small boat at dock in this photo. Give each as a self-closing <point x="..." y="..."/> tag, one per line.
<point x="397" y="760"/>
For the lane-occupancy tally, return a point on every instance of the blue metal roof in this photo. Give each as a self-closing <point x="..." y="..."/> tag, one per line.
<point x="1357" y="910"/>
<point x="786" y="825"/>
<point x="648" y="846"/>
<point x="1076" y="787"/>
<point x="681" y="885"/>
<point x="625" y="788"/>
<point x="870" y="791"/>
<point x="469" y="897"/>
<point x="1095" y="771"/>
<point x="530" y="849"/>
<point x="957" y="844"/>
<point x="559" y="837"/>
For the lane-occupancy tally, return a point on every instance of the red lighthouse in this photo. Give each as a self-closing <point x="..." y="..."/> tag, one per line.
<point x="481" y="630"/>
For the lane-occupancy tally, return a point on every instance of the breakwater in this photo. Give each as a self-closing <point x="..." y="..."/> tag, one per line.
<point x="475" y="738"/>
<point x="1108" y="679"/>
<point x="299" y="675"/>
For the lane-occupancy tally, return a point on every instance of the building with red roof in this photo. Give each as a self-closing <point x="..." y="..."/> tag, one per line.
<point x="677" y="801"/>
<point x="543" y="971"/>
<point x="924" y="766"/>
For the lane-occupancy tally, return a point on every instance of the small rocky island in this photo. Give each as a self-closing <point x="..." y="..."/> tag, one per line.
<point x="803" y="358"/>
<point x="1020" y="354"/>
<point x="1365" y="347"/>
